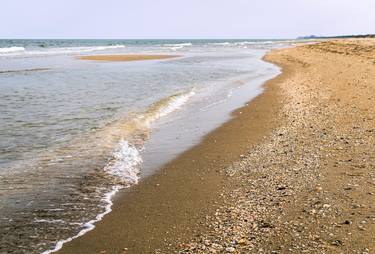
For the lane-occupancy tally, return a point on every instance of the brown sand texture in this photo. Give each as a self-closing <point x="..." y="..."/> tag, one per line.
<point x="292" y="172"/>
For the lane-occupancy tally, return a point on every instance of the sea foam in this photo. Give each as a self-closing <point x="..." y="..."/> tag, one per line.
<point x="21" y="51"/>
<point x="88" y="226"/>
<point x="125" y="163"/>
<point x="126" y="160"/>
<point x="11" y="50"/>
<point x="177" y="46"/>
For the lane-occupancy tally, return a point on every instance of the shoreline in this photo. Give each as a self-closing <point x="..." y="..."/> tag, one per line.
<point x="309" y="187"/>
<point x="262" y="182"/>
<point x="208" y="154"/>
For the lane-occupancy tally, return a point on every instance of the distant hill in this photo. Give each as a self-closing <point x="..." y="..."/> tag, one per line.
<point x="336" y="37"/>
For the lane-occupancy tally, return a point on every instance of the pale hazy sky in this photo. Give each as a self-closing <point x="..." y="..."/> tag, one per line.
<point x="184" y="18"/>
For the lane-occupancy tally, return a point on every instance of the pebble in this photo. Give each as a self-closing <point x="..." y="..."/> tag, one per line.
<point x="230" y="249"/>
<point x="285" y="173"/>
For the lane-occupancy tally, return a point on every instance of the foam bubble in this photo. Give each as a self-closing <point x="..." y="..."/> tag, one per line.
<point x="125" y="163"/>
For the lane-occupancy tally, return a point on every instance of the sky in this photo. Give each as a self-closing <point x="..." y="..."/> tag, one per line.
<point x="157" y="19"/>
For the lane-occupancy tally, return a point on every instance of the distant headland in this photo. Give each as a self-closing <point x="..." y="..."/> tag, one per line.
<point x="337" y="37"/>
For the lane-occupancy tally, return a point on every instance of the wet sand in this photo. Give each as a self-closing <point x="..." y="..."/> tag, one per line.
<point x="292" y="172"/>
<point x="126" y="58"/>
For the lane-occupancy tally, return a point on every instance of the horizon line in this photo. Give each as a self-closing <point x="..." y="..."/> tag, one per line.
<point x="72" y="38"/>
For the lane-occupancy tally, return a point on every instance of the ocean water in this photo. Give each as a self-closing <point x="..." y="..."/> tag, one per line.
<point x="74" y="132"/>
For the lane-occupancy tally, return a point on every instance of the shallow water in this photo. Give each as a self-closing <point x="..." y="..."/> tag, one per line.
<point x="72" y="132"/>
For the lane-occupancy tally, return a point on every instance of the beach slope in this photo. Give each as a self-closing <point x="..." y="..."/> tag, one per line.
<point x="309" y="187"/>
<point x="292" y="172"/>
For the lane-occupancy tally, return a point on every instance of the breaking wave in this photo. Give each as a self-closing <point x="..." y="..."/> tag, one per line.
<point x="11" y="50"/>
<point x="166" y="106"/>
<point x="176" y="46"/>
<point x="21" y="51"/>
<point x="126" y="159"/>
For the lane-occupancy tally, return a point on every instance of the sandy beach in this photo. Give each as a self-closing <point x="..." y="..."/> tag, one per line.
<point x="126" y="58"/>
<point x="292" y="172"/>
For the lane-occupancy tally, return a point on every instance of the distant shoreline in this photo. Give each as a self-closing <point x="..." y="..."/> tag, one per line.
<point x="359" y="36"/>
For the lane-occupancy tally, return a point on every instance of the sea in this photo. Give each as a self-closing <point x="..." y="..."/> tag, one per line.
<point x="74" y="132"/>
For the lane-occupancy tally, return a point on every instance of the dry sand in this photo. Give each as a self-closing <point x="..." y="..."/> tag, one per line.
<point x="309" y="187"/>
<point x="292" y="172"/>
<point x="126" y="58"/>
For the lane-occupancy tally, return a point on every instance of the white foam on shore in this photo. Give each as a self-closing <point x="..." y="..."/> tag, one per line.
<point x="125" y="164"/>
<point x="88" y="226"/>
